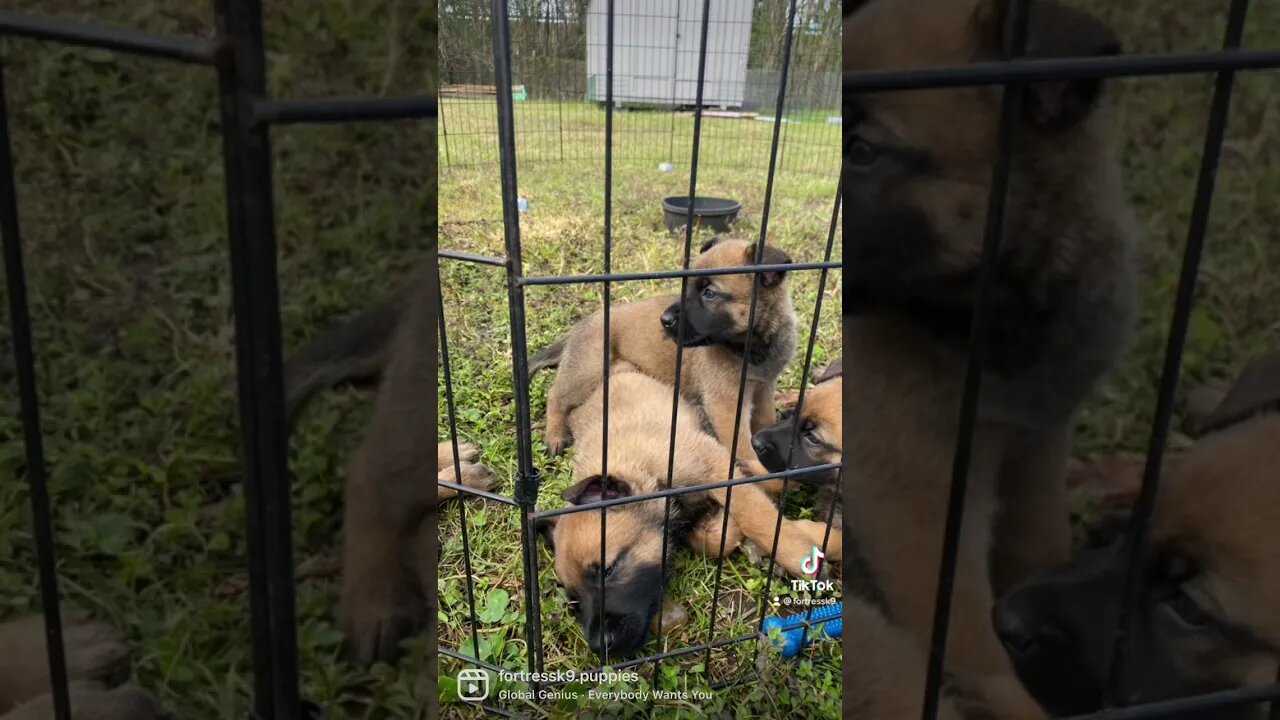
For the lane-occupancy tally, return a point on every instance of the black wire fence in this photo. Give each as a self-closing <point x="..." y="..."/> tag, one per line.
<point x="609" y="29"/>
<point x="247" y="115"/>
<point x="559" y="51"/>
<point x="1014" y="74"/>
<point x="238" y="57"/>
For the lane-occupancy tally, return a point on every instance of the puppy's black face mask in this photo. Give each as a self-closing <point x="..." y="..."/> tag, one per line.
<point x="616" y="594"/>
<point x="1059" y="630"/>
<point x="773" y="444"/>
<point x="704" y="314"/>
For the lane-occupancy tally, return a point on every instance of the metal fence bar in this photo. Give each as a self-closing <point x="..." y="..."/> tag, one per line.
<point x="1185" y="299"/>
<point x="457" y="464"/>
<point x="256" y="297"/>
<point x="674" y="491"/>
<point x="1193" y="704"/>
<point x="673" y="274"/>
<point x="32" y="434"/>
<point x="1010" y="106"/>
<point x="527" y="478"/>
<point x="795" y="431"/>
<point x="607" y="292"/>
<point x="1015" y="71"/>
<point x="472" y="258"/>
<point x="684" y="286"/>
<point x="343" y="109"/>
<point x="107" y="37"/>
<point x="751" y="323"/>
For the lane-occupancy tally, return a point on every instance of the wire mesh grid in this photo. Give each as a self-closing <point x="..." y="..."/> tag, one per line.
<point x="558" y="58"/>
<point x="607" y="21"/>
<point x="238" y="56"/>
<point x="1015" y="74"/>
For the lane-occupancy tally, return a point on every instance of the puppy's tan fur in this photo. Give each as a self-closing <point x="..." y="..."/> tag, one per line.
<point x="639" y="429"/>
<point x="709" y="375"/>
<point x="97" y="662"/>
<point x="917" y="175"/>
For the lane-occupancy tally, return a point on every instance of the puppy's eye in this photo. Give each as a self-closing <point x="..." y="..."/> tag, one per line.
<point x="860" y="153"/>
<point x="609" y="570"/>
<point x="708" y="293"/>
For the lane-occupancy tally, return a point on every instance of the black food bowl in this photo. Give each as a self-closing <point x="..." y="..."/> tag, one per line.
<point x="715" y="214"/>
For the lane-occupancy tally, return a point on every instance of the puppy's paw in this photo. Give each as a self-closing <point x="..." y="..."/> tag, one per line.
<point x="557" y="445"/>
<point x="91" y="702"/>
<point x="374" y="623"/>
<point x="467" y="452"/>
<point x="795" y="549"/>
<point x="95" y="650"/>
<point x="481" y="477"/>
<point x="754" y="554"/>
<point x="673" y="617"/>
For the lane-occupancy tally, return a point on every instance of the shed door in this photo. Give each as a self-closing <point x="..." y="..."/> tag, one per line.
<point x="645" y="50"/>
<point x="728" y="39"/>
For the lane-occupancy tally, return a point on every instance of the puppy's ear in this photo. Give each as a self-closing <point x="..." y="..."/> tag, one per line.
<point x="545" y="527"/>
<point x="712" y="242"/>
<point x="595" y="489"/>
<point x="771" y="256"/>
<point x="1054" y="31"/>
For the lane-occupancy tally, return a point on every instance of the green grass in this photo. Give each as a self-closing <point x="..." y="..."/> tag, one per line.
<point x="121" y="193"/>
<point x="563" y="234"/>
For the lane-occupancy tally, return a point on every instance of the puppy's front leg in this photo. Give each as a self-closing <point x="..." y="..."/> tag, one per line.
<point x="387" y="498"/>
<point x="722" y="411"/>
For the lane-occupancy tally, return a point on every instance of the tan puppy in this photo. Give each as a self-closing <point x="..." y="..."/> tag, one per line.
<point x="639" y="430"/>
<point x="917" y="173"/>
<point x="714" y="313"/>
<point x="1205" y="617"/>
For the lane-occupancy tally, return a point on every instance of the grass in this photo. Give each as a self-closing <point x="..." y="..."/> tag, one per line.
<point x="124" y="230"/>
<point x="562" y="234"/>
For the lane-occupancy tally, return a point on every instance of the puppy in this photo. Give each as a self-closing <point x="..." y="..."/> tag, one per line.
<point x="714" y="314"/>
<point x="617" y="621"/>
<point x="1205" y="615"/>
<point x="817" y="431"/>
<point x="916" y="177"/>
<point x="97" y="662"/>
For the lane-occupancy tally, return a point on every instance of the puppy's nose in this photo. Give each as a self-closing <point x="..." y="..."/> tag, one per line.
<point x="759" y="444"/>
<point x="669" y="317"/>
<point x="599" y="639"/>
<point x="1024" y="631"/>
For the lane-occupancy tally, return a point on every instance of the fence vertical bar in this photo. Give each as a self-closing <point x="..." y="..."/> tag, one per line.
<point x="1010" y="106"/>
<point x="527" y="479"/>
<point x="684" y="286"/>
<point x="251" y="231"/>
<point x="608" y="265"/>
<point x="447" y="368"/>
<point x="24" y="361"/>
<point x="799" y="409"/>
<point x="751" y="315"/>
<point x="1178" y="326"/>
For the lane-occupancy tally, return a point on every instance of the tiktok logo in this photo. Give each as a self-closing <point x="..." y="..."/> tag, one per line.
<point x="813" y="563"/>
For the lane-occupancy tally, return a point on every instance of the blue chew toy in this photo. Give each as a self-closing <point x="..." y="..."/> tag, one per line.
<point x="826" y="621"/>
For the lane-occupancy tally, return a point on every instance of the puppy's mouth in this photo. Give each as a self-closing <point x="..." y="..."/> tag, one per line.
<point x="690" y="340"/>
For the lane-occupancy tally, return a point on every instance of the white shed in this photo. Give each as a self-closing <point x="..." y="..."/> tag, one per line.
<point x="655" y="51"/>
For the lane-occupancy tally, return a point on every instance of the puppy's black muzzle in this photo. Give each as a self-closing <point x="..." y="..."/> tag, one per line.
<point x="672" y="318"/>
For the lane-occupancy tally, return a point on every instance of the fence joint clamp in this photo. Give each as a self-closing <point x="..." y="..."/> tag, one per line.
<point x="527" y="487"/>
